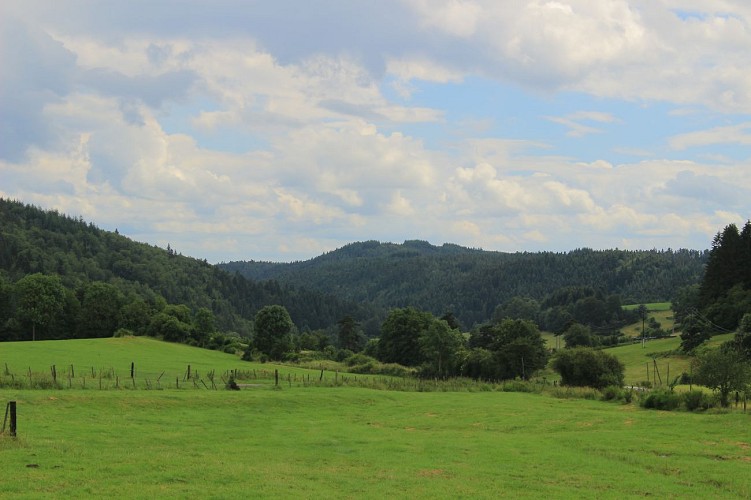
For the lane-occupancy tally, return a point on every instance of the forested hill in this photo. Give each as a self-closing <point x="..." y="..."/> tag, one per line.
<point x="471" y="283"/>
<point x="38" y="241"/>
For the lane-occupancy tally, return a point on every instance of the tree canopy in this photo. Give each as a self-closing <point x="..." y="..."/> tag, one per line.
<point x="584" y="366"/>
<point x="723" y="369"/>
<point x="480" y="286"/>
<point x="102" y="272"/>
<point x="723" y="297"/>
<point x="272" y="331"/>
<point x="40" y="300"/>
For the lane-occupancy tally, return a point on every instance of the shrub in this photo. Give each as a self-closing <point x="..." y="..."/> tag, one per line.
<point x="518" y="386"/>
<point x="575" y="393"/>
<point x="662" y="400"/>
<point x="232" y="385"/>
<point x="612" y="393"/>
<point x="697" y="400"/>
<point x="329" y="352"/>
<point x="359" y="359"/>
<point x="584" y="366"/>
<point x="375" y="368"/>
<point x="123" y="332"/>
<point x="628" y="396"/>
<point x="343" y="354"/>
<point x="290" y="357"/>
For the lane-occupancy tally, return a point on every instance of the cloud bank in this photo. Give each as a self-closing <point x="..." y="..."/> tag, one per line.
<point x="280" y="130"/>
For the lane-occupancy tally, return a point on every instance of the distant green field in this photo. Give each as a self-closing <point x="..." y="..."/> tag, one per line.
<point x="665" y="318"/>
<point x="109" y="358"/>
<point x="664" y="352"/>
<point x="653" y="306"/>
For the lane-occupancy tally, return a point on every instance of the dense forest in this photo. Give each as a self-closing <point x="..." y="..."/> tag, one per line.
<point x="473" y="283"/>
<point x="96" y="266"/>
<point x="721" y="302"/>
<point x="101" y="281"/>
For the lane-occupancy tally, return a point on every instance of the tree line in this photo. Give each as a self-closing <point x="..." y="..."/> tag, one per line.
<point x="721" y="302"/>
<point x="435" y="347"/>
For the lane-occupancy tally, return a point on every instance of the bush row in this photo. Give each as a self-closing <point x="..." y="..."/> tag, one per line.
<point x="663" y="399"/>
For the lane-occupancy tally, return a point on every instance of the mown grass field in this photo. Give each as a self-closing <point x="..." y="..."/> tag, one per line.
<point x="360" y="443"/>
<point x="298" y="441"/>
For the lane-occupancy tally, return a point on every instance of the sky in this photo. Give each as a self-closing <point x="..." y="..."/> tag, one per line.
<point x="280" y="130"/>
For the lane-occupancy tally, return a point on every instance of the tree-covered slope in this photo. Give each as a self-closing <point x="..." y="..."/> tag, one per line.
<point x="471" y="282"/>
<point x="38" y="241"/>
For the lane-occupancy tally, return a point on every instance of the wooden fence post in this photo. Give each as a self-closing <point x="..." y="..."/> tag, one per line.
<point x="12" y="405"/>
<point x="276" y="377"/>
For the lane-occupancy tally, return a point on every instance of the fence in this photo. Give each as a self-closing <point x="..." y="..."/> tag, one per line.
<point x="89" y="377"/>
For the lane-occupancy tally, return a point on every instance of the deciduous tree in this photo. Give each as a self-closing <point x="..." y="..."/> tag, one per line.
<point x="584" y="366"/>
<point x="100" y="310"/>
<point x="723" y="370"/>
<point x="517" y="348"/>
<point x="400" y="333"/>
<point x="273" y="331"/>
<point x="439" y="346"/>
<point x="40" y="300"/>
<point x="579" y="335"/>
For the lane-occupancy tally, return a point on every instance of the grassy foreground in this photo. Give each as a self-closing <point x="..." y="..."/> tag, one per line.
<point x="359" y="443"/>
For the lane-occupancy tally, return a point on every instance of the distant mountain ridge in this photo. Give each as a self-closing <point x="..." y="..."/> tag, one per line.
<point x="471" y="282"/>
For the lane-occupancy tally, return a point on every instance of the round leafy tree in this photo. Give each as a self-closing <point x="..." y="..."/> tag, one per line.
<point x="584" y="366"/>
<point x="273" y="331"/>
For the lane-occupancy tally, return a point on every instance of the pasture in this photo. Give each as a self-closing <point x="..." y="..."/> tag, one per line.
<point x="665" y="353"/>
<point x="660" y="311"/>
<point x="308" y="441"/>
<point x="350" y="442"/>
<point x="90" y="363"/>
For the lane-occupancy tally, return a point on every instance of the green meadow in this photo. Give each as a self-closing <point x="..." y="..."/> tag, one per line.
<point x="110" y="359"/>
<point x="653" y="306"/>
<point x="306" y="441"/>
<point x="664" y="353"/>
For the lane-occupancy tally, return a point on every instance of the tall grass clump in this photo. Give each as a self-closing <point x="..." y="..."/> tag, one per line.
<point x="617" y="393"/>
<point x="697" y="400"/>
<point x="661" y="399"/>
<point x="572" y="392"/>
